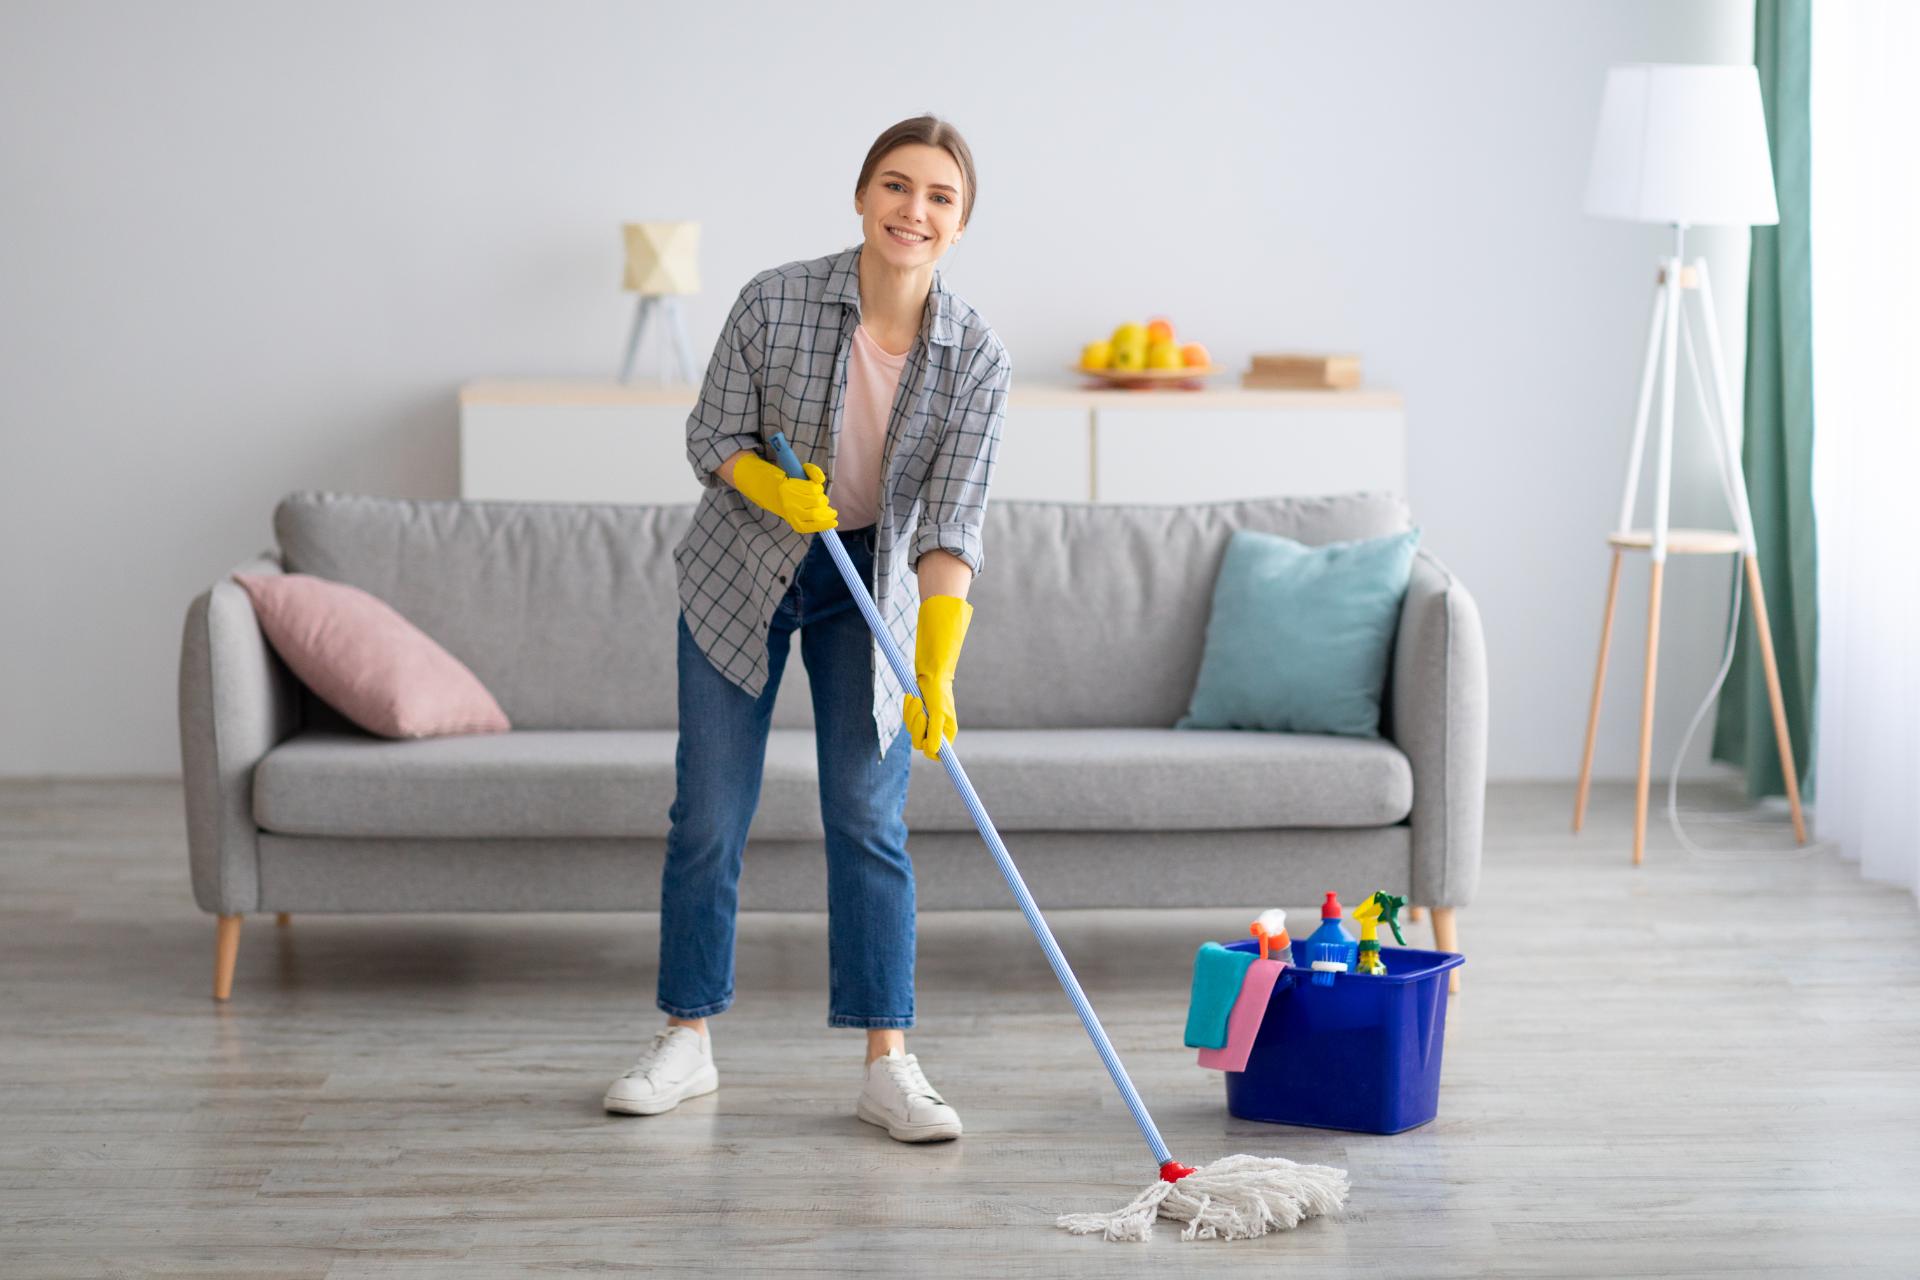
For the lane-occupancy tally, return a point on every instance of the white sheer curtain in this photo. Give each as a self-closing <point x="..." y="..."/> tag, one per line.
<point x="1865" y="215"/>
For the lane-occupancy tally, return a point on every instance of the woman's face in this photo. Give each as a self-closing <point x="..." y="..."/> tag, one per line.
<point x="914" y="189"/>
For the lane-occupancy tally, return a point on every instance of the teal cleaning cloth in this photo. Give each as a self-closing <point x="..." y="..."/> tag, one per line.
<point x="1217" y="975"/>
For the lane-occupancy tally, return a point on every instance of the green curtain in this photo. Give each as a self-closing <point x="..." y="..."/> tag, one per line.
<point x="1777" y="453"/>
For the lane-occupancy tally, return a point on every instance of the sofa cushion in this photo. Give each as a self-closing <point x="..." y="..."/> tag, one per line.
<point x="1299" y="636"/>
<point x="620" y="783"/>
<point x="355" y="652"/>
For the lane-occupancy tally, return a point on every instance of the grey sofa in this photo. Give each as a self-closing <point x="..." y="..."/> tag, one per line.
<point x="1083" y="651"/>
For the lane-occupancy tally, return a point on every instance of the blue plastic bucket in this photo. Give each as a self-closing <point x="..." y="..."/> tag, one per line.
<point x="1362" y="1054"/>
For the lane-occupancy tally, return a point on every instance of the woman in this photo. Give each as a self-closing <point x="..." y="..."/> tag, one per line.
<point x="892" y="392"/>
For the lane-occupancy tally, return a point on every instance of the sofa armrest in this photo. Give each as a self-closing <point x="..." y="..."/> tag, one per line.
<point x="237" y="701"/>
<point x="1437" y="715"/>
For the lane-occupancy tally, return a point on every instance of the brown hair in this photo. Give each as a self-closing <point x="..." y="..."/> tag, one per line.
<point x="933" y="132"/>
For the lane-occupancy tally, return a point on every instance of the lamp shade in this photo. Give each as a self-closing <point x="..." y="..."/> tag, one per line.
<point x="662" y="257"/>
<point x="1682" y="144"/>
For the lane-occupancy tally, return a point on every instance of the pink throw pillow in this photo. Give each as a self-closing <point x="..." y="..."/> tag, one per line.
<point x="367" y="662"/>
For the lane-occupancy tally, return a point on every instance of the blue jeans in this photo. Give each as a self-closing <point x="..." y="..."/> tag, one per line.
<point x="717" y="770"/>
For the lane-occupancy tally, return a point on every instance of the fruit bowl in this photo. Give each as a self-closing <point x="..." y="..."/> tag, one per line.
<point x="1144" y="379"/>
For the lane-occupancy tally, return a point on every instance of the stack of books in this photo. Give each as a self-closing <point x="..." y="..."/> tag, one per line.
<point x="1293" y="370"/>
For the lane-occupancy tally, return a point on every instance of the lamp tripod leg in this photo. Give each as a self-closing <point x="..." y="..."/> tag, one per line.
<point x="682" y="351"/>
<point x="1646" y="716"/>
<point x="1663" y="481"/>
<point x="1735" y="479"/>
<point x="641" y="309"/>
<point x="1764" y="634"/>
<point x="1599" y="683"/>
<point x="1657" y="326"/>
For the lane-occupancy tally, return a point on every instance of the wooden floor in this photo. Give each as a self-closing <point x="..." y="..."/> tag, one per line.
<point x="1701" y="1067"/>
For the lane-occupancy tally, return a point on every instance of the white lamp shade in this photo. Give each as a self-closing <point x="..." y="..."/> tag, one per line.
<point x="1682" y="144"/>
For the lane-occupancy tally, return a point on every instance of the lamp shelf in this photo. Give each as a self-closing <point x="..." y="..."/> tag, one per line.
<point x="1680" y="542"/>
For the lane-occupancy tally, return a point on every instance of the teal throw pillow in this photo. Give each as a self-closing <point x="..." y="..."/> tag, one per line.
<point x="1300" y="636"/>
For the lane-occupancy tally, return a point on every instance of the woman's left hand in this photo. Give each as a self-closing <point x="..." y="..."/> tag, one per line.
<point x="941" y="629"/>
<point x="919" y="723"/>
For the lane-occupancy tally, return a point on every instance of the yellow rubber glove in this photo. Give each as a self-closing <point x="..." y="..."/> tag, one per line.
<point x="936" y="652"/>
<point x="801" y="503"/>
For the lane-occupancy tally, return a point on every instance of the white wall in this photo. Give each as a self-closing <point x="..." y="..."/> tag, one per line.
<point x="246" y="249"/>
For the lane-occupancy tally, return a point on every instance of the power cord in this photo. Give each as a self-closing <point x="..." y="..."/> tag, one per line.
<point x="1673" y="777"/>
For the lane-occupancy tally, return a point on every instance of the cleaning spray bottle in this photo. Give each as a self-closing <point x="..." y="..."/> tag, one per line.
<point x="1381" y="906"/>
<point x="1331" y="949"/>
<point x="1271" y="929"/>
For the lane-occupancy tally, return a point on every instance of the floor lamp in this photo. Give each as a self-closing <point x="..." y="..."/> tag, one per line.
<point x="1683" y="146"/>
<point x="662" y="267"/>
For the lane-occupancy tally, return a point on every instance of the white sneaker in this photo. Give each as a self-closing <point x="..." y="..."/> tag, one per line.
<point x="678" y="1064"/>
<point x="898" y="1098"/>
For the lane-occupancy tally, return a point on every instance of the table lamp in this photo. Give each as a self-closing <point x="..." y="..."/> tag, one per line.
<point x="662" y="265"/>
<point x="1685" y="146"/>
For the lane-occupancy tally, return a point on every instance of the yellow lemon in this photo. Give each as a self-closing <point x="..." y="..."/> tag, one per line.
<point x="1129" y="333"/>
<point x="1163" y="355"/>
<point x="1129" y="356"/>
<point x="1096" y="355"/>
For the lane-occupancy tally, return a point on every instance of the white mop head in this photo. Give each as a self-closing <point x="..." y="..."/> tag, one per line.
<point x="1232" y="1199"/>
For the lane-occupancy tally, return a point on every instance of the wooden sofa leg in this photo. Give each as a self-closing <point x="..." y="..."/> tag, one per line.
<point x="226" y="949"/>
<point x="283" y="918"/>
<point x="1446" y="936"/>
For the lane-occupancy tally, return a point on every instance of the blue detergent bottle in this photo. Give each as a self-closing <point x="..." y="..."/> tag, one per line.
<point x="1331" y="949"/>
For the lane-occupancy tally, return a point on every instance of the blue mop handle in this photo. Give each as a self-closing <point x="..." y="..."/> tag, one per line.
<point x="783" y="454"/>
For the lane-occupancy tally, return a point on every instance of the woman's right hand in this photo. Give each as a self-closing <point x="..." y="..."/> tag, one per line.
<point x="801" y="503"/>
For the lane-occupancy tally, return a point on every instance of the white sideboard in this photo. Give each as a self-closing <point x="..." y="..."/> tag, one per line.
<point x="601" y="441"/>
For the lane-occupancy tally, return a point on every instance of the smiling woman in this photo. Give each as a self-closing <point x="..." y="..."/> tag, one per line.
<point x="897" y="436"/>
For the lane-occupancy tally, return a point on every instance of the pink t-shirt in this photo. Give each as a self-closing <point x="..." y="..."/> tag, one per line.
<point x="873" y="378"/>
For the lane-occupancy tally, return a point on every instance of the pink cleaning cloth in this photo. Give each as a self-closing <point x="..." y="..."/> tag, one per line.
<point x="1243" y="1020"/>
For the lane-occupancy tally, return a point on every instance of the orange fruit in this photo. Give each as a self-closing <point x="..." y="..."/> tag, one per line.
<point x="1194" y="355"/>
<point x="1159" y="329"/>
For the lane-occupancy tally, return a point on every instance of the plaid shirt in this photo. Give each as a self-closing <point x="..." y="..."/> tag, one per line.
<point x="781" y="365"/>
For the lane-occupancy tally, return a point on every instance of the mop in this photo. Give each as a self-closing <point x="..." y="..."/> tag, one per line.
<point x="1233" y="1198"/>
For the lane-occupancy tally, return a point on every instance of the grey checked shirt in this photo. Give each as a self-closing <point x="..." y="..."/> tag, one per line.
<point x="781" y="365"/>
